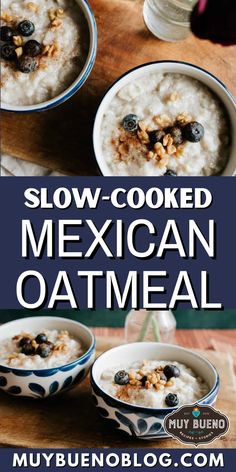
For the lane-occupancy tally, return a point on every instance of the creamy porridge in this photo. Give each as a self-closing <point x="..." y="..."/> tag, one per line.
<point x="165" y="124"/>
<point x="40" y="350"/>
<point x="154" y="384"/>
<point x="44" y="46"/>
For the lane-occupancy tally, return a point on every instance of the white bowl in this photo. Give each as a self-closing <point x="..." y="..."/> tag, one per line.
<point x="191" y="70"/>
<point x="41" y="383"/>
<point x="81" y="79"/>
<point x="143" y="422"/>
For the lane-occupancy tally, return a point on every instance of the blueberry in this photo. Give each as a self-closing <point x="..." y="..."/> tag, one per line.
<point x="44" y="350"/>
<point x="193" y="132"/>
<point x="32" y="48"/>
<point x="24" y="341"/>
<point x="171" y="173"/>
<point x="8" y="52"/>
<point x="6" y="33"/>
<point x="130" y="123"/>
<point x="27" y="64"/>
<point x="176" y="134"/>
<point x="171" y="371"/>
<point x="28" y="350"/>
<point x="156" y="136"/>
<point x="26" y="28"/>
<point x="172" y="399"/>
<point x="121" y="378"/>
<point x="41" y="338"/>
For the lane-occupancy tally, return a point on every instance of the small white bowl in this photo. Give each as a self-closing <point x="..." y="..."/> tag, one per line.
<point x="41" y="383"/>
<point x="214" y="84"/>
<point x="143" y="422"/>
<point x="81" y="79"/>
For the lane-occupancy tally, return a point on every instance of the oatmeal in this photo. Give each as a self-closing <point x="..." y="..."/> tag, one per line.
<point x="40" y="350"/>
<point x="154" y="384"/>
<point x="166" y="124"/>
<point x="44" y="46"/>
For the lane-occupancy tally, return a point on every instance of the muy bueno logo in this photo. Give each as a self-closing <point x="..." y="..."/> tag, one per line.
<point x="196" y="424"/>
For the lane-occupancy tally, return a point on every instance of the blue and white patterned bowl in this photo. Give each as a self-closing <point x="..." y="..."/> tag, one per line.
<point x="81" y="79"/>
<point x="140" y="422"/>
<point x="41" y="383"/>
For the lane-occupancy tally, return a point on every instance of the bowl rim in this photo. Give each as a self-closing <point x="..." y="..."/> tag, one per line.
<point x="149" y="410"/>
<point x="89" y="351"/>
<point x="189" y="65"/>
<point x="81" y="78"/>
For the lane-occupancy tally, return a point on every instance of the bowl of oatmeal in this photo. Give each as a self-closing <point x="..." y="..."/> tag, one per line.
<point x="166" y="119"/>
<point x="48" y="50"/>
<point x="43" y="356"/>
<point x="136" y="385"/>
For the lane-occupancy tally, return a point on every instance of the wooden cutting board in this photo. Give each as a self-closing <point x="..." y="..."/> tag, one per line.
<point x="71" y="420"/>
<point x="61" y="139"/>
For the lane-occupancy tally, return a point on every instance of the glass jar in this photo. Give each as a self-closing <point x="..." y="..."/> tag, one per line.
<point x="143" y="325"/>
<point x="169" y="20"/>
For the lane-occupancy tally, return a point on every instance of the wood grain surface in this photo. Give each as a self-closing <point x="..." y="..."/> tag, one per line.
<point x="71" y="420"/>
<point x="61" y="139"/>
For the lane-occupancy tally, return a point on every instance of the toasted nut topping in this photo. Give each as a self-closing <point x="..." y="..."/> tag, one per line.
<point x="56" y="23"/>
<point x="171" y="149"/>
<point x="5" y="16"/>
<point x="143" y="136"/>
<point x="162" y="120"/>
<point x="51" y="50"/>
<point x="183" y="118"/>
<point x="32" y="6"/>
<point x="18" y="40"/>
<point x="142" y="125"/>
<point x="19" y="51"/>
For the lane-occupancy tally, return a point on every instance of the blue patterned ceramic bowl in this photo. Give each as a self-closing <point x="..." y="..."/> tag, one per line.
<point x="81" y="79"/>
<point x="146" y="423"/>
<point x="46" y="382"/>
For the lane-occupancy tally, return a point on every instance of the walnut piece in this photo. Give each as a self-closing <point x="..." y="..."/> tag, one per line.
<point x="32" y="7"/>
<point x="5" y="16"/>
<point x="19" y="51"/>
<point x="18" y="40"/>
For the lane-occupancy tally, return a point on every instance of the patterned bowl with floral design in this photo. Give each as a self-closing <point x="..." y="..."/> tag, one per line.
<point x="145" y="422"/>
<point x="41" y="383"/>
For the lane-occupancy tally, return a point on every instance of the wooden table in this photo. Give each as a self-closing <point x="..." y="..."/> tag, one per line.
<point x="70" y="420"/>
<point x="61" y="139"/>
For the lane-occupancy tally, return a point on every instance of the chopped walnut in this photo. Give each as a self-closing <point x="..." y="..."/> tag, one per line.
<point x="19" y="51"/>
<point x="171" y="149"/>
<point x="55" y="24"/>
<point x="5" y="16"/>
<point x="32" y="6"/>
<point x="167" y="140"/>
<point x="162" y="120"/>
<point x="18" y="40"/>
<point x="60" y="347"/>
<point x="54" y="17"/>
<point x="183" y="118"/>
<point x="163" y="161"/>
<point x="143" y="136"/>
<point x="51" y="50"/>
<point x="142" y="125"/>
<point x="159" y="150"/>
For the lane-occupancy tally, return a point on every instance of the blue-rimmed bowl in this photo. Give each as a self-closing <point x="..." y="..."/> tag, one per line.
<point x="137" y="421"/>
<point x="176" y="67"/>
<point x="81" y="79"/>
<point x="41" y="383"/>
